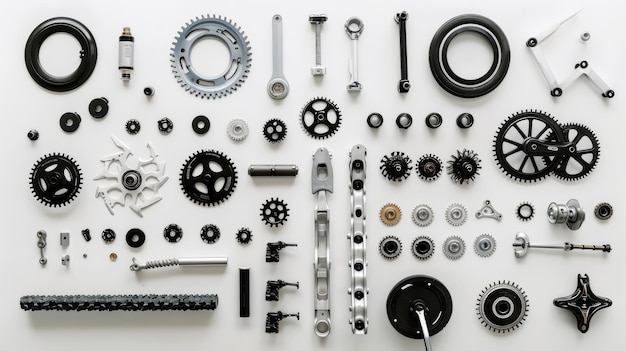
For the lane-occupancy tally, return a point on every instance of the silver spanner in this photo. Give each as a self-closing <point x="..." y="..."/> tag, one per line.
<point x="277" y="88"/>
<point x="354" y="28"/>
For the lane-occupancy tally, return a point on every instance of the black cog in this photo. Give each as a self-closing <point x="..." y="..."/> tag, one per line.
<point x="210" y="233"/>
<point x="502" y="307"/>
<point x="274" y="212"/>
<point x="396" y="166"/>
<point x="320" y="118"/>
<point x="55" y="180"/>
<point x="244" y="236"/>
<point x="208" y="177"/>
<point x="464" y="167"/>
<point x="275" y="130"/>
<point x="429" y="167"/>
<point x="133" y="126"/>
<point x="583" y="160"/>
<point x="509" y="151"/>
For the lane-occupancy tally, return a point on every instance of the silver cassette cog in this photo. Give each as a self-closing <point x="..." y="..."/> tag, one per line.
<point x="423" y="247"/>
<point x="137" y="179"/>
<point x="224" y="31"/>
<point x="502" y="306"/>
<point x="454" y="247"/>
<point x="422" y="215"/>
<point x="237" y="129"/>
<point x="456" y="214"/>
<point x="484" y="245"/>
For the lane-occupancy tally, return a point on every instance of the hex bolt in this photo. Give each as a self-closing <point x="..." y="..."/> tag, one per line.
<point x="522" y="245"/>
<point x="317" y="20"/>
<point x="403" y="84"/>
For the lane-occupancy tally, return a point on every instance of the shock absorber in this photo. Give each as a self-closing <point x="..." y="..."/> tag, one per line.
<point x="126" y="54"/>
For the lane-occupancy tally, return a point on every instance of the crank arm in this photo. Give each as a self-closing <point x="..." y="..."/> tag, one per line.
<point x="277" y="88"/>
<point x="354" y="28"/>
<point x="536" y="147"/>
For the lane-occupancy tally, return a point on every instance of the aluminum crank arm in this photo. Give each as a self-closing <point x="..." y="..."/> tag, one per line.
<point x="277" y="88"/>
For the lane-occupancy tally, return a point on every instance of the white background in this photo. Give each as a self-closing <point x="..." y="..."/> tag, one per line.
<point x="543" y="275"/>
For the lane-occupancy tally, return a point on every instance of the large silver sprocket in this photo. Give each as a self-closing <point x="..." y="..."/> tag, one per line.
<point x="228" y="33"/>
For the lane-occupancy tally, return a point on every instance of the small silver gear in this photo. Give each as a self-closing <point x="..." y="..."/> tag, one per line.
<point x="456" y="214"/>
<point x="484" y="245"/>
<point x="423" y="247"/>
<point x="237" y="129"/>
<point x="390" y="247"/>
<point x="502" y="306"/>
<point x="454" y="247"/>
<point x="422" y="215"/>
<point x="243" y="236"/>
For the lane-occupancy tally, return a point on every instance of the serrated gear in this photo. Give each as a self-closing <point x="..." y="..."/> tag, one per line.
<point x="237" y="129"/>
<point x="208" y="177"/>
<point x="525" y="211"/>
<point x="275" y="130"/>
<point x="244" y="236"/>
<point x="390" y="247"/>
<point x="210" y="233"/>
<point x="422" y="215"/>
<point x="390" y="214"/>
<point x="429" y="167"/>
<point x="464" y="166"/>
<point x="454" y="247"/>
<point x="320" y="118"/>
<point x="173" y="233"/>
<point x="396" y="166"/>
<point x="55" y="180"/>
<point x="456" y="214"/>
<point x="133" y="126"/>
<point x="484" y="245"/>
<point x="132" y="178"/>
<point x="603" y="211"/>
<point x="502" y="306"/>
<point x="224" y="31"/>
<point x="274" y="212"/>
<point x="423" y="247"/>
<point x="165" y="125"/>
<point x="581" y="161"/>
<point x="108" y="235"/>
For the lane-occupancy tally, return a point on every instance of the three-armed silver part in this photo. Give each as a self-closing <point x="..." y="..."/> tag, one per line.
<point x="277" y="88"/>
<point x="358" y="263"/>
<point x="354" y="28"/>
<point x="181" y="261"/>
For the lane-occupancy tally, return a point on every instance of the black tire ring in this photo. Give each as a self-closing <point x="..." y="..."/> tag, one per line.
<point x="99" y="107"/>
<point x="441" y="70"/>
<point x="88" y="54"/>
<point x="201" y="124"/>
<point x="135" y="237"/>
<point x="72" y="117"/>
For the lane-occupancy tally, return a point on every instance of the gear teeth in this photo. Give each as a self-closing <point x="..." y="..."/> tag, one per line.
<point x="244" y="236"/>
<point x="520" y="208"/>
<point x="482" y="249"/>
<point x="274" y="212"/>
<point x="332" y="127"/>
<point x="275" y="130"/>
<point x="510" y="292"/>
<point x="396" y="166"/>
<point x="429" y="160"/>
<point x="232" y="169"/>
<point x="560" y="172"/>
<point x="454" y="247"/>
<point x="390" y="247"/>
<point x="423" y="252"/>
<point x="72" y="167"/>
<point x="422" y="215"/>
<point x="390" y="214"/>
<point x="464" y="166"/>
<point x="456" y="214"/>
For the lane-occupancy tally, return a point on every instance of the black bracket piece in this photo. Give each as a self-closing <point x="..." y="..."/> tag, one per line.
<point x="583" y="303"/>
<point x="273" y="286"/>
<point x="273" y="318"/>
<point x="271" y="252"/>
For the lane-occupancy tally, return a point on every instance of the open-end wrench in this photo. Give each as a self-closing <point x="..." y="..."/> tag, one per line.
<point x="317" y="20"/>
<point x="403" y="84"/>
<point x="354" y="28"/>
<point x="277" y="88"/>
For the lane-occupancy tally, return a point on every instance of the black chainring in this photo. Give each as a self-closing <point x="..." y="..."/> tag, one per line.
<point x="583" y="160"/>
<point x="274" y="212"/>
<point x="320" y="118"/>
<point x="275" y="130"/>
<point x="464" y="167"/>
<point x="208" y="177"/>
<point x="55" y="180"/>
<point x="429" y="167"/>
<point x="396" y="166"/>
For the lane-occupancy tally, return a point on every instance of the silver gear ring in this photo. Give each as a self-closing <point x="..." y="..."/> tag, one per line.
<point x="484" y="245"/>
<point x="423" y="247"/>
<point x="422" y="215"/>
<point x="224" y="31"/>
<point x="390" y="247"/>
<point x="454" y="247"/>
<point x="237" y="129"/>
<point x="456" y="214"/>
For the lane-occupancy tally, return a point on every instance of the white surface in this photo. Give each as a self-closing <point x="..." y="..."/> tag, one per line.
<point x="543" y="275"/>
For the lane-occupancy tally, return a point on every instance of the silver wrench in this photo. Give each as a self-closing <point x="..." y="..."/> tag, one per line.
<point x="354" y="28"/>
<point x="277" y="88"/>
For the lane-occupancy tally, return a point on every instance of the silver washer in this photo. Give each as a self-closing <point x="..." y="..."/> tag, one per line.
<point x="237" y="129"/>
<point x="422" y="215"/>
<point x="423" y="247"/>
<point x="456" y="214"/>
<point x="454" y="247"/>
<point x="484" y="245"/>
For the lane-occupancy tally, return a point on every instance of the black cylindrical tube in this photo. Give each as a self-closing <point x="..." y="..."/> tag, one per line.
<point x="244" y="292"/>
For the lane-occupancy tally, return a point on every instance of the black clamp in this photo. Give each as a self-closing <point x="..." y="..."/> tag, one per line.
<point x="271" y="252"/>
<point x="273" y="318"/>
<point x="273" y="286"/>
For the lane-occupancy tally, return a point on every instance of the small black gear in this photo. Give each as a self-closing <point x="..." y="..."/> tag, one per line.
<point x="429" y="167"/>
<point x="396" y="166"/>
<point x="275" y="130"/>
<point x="390" y="247"/>
<point x="208" y="177"/>
<point x="320" y="118"/>
<point x="464" y="167"/>
<point x="603" y="211"/>
<point x="525" y="211"/>
<point x="108" y="235"/>
<point x="210" y="233"/>
<point x="173" y="233"/>
<point x="55" y="180"/>
<point x="133" y="126"/>
<point x="581" y="161"/>
<point x="274" y="212"/>
<point x="165" y="125"/>
<point x="423" y="247"/>
<point x="244" y="236"/>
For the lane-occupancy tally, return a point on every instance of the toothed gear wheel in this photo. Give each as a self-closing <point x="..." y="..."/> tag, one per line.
<point x="429" y="167"/>
<point x="525" y="211"/>
<point x="456" y="214"/>
<point x="582" y="160"/>
<point x="274" y="212"/>
<point x="133" y="126"/>
<point x="237" y="129"/>
<point x="244" y="236"/>
<point x="603" y="211"/>
<point x="173" y="233"/>
<point x="55" y="180"/>
<point x="208" y="177"/>
<point x="484" y="245"/>
<point x="131" y="178"/>
<point x="423" y="247"/>
<point x="422" y="215"/>
<point x="390" y="247"/>
<point x="502" y="307"/>
<point x="396" y="166"/>
<point x="320" y="118"/>
<point x="454" y="247"/>
<point x="390" y="214"/>
<point x="210" y="233"/>
<point x="165" y="125"/>
<point x="275" y="130"/>
<point x="224" y="31"/>
<point x="509" y="141"/>
<point x="464" y="167"/>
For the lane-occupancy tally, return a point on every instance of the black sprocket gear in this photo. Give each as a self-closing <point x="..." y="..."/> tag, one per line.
<point x="275" y="130"/>
<point x="320" y="118"/>
<point x="274" y="212"/>
<point x="396" y="166"/>
<point x="133" y="126"/>
<point x="210" y="233"/>
<point x="585" y="156"/>
<point x="502" y="306"/>
<point x="244" y="236"/>
<point x="464" y="166"/>
<point x="208" y="177"/>
<point x="55" y="180"/>
<point x="429" y="167"/>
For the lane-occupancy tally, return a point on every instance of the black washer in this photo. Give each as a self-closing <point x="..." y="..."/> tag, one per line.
<point x="404" y="121"/>
<point x="135" y="237"/>
<point x="433" y="120"/>
<point x="165" y="125"/>
<point x="70" y="121"/>
<point x="375" y="120"/>
<point x="108" y="235"/>
<point x="99" y="107"/>
<point x="465" y="120"/>
<point x="88" y="54"/>
<point x="201" y="124"/>
<point x="133" y="126"/>
<point x="173" y="233"/>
